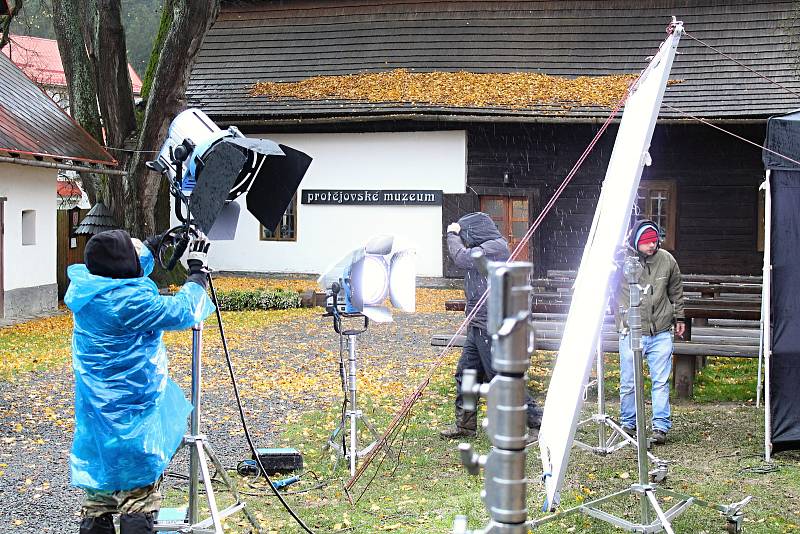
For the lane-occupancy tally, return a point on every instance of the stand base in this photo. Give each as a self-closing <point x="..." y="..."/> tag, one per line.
<point x="172" y="521"/>
<point x="662" y="523"/>
<point x="616" y="440"/>
<point x="352" y="454"/>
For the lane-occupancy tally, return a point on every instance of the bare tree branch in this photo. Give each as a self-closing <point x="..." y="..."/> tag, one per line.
<point x="5" y="20"/>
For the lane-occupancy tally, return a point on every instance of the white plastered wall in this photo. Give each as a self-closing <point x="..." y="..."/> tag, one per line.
<point x="408" y="160"/>
<point x="28" y="188"/>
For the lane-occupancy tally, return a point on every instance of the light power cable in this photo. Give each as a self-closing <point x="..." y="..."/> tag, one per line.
<point x="241" y="411"/>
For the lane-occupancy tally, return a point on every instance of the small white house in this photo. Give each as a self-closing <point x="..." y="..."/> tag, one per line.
<point x="36" y="140"/>
<point x="358" y="185"/>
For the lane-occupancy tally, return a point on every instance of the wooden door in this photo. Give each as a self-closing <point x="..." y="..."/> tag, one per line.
<point x="69" y="247"/>
<point x="510" y="214"/>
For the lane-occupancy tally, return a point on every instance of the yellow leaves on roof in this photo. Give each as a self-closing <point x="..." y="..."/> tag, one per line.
<point x="519" y="90"/>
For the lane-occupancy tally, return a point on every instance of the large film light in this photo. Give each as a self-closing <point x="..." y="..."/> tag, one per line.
<point x="218" y="166"/>
<point x="368" y="275"/>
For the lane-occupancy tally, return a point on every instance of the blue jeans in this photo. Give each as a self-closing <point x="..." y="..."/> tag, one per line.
<point x="657" y="350"/>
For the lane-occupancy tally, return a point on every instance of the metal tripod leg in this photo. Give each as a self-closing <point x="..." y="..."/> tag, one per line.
<point x="645" y="492"/>
<point x="231" y="485"/>
<point x="199" y="453"/>
<point x="617" y="438"/>
<point x="353" y="414"/>
<point x="339" y="450"/>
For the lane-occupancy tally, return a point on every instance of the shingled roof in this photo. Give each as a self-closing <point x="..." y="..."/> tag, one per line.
<point x="288" y="40"/>
<point x="32" y="125"/>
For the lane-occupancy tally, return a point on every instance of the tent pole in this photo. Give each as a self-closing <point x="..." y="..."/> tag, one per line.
<point x="766" y="292"/>
<point x="759" y="383"/>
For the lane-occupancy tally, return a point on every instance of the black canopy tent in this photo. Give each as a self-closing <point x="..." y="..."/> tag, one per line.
<point x="781" y="321"/>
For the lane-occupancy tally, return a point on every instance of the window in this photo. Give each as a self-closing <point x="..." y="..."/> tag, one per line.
<point x="287" y="228"/>
<point x="657" y="200"/>
<point x="28" y="227"/>
<point x="510" y="214"/>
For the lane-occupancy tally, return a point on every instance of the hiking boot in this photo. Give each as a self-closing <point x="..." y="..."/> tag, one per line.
<point x="630" y="430"/>
<point x="456" y="432"/>
<point x="659" y="437"/>
<point x="466" y="425"/>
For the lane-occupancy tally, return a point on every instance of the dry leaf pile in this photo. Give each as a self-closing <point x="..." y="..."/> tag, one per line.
<point x="519" y="90"/>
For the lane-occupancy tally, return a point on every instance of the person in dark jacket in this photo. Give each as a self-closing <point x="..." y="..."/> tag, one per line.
<point x="477" y="230"/>
<point x="661" y="309"/>
<point x="130" y="417"/>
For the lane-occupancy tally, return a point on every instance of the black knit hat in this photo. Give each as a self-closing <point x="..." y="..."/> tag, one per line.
<point x="111" y="254"/>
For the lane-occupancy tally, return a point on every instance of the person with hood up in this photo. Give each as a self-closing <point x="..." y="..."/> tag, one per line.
<point x="477" y="230"/>
<point x="661" y="308"/>
<point x="130" y="417"/>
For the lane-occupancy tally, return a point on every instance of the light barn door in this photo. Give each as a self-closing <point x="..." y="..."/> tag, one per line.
<point x="510" y="214"/>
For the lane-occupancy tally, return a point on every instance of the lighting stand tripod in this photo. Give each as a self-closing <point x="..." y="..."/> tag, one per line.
<point x="351" y="413"/>
<point x="200" y="453"/>
<point x="509" y="323"/>
<point x="652" y="517"/>
<point x="618" y="438"/>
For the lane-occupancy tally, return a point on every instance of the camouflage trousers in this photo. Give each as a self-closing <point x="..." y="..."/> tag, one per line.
<point x="133" y="501"/>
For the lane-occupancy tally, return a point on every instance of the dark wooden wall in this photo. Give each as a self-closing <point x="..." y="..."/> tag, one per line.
<point x="717" y="180"/>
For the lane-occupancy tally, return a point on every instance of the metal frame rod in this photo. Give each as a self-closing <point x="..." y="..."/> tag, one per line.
<point x="194" y="430"/>
<point x="351" y="342"/>
<point x="601" y="389"/>
<point x="766" y="318"/>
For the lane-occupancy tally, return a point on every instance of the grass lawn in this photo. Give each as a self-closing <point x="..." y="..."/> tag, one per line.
<point x="715" y="447"/>
<point x="715" y="451"/>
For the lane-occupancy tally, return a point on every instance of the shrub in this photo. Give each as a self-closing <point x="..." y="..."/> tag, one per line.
<point x="257" y="299"/>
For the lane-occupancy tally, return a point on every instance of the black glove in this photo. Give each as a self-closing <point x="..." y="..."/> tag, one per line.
<point x="153" y="242"/>
<point x="197" y="261"/>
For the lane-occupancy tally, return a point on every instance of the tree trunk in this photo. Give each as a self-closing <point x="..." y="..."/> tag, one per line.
<point x="116" y="98"/>
<point x="191" y="21"/>
<point x="92" y="46"/>
<point x="69" y="23"/>
<point x="5" y="22"/>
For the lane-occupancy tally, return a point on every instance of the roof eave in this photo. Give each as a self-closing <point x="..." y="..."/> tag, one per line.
<point x="56" y="158"/>
<point x="354" y="118"/>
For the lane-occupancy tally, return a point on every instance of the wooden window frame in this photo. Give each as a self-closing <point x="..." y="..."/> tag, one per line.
<point x="645" y="186"/>
<point x="509" y="219"/>
<point x="277" y="233"/>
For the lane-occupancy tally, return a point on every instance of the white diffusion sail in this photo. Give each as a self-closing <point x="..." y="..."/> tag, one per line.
<point x="576" y="355"/>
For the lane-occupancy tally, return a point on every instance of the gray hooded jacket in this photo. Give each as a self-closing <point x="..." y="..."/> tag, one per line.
<point x="477" y="230"/>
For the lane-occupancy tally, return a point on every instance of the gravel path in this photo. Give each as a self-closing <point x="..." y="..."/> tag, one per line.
<point x="287" y="363"/>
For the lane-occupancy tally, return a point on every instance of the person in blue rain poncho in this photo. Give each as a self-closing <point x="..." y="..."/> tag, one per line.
<point x="130" y="417"/>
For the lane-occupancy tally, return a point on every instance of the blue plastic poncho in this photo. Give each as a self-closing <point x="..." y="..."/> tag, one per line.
<point x="130" y="417"/>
